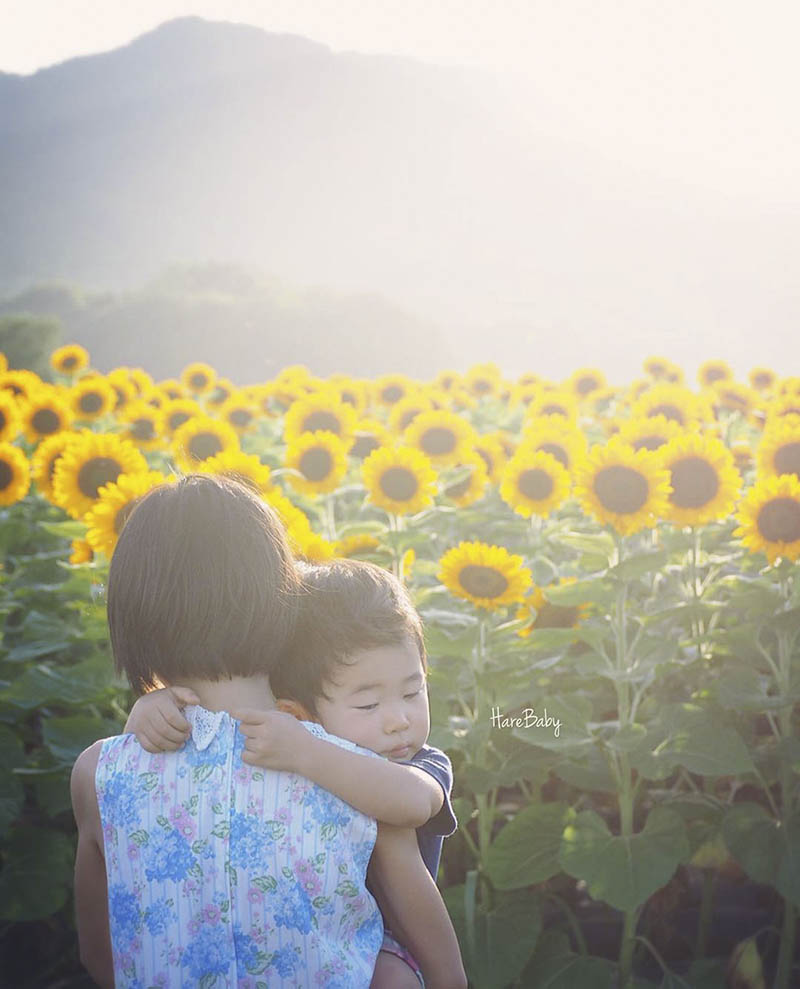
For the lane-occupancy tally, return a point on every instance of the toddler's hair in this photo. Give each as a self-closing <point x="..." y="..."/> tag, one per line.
<point x="201" y="584"/>
<point x="346" y="606"/>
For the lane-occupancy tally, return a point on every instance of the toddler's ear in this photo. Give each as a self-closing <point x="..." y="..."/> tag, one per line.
<point x="295" y="708"/>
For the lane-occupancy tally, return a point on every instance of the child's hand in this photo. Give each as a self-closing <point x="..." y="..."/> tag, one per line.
<point x="273" y="740"/>
<point x="157" y="720"/>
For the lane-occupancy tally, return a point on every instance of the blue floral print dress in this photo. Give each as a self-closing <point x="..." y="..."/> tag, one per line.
<point x="224" y="875"/>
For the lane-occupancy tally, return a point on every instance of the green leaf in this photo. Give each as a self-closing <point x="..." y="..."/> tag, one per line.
<point x="566" y="717"/>
<point x="555" y="966"/>
<point x="599" y="590"/>
<point x="707" y="748"/>
<point x="82" y="683"/>
<point x="504" y="938"/>
<point x="637" y="566"/>
<point x="624" y="871"/>
<point x="768" y="851"/>
<point x="65" y="530"/>
<point x="67" y="737"/>
<point x="37" y="873"/>
<point x="267" y="884"/>
<point x="12" y="797"/>
<point x="526" y="850"/>
<point x="594" y="543"/>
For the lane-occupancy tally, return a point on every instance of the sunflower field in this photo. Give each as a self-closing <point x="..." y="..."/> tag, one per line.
<point x="609" y="583"/>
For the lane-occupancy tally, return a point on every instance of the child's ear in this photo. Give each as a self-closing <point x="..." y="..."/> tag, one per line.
<point x="295" y="708"/>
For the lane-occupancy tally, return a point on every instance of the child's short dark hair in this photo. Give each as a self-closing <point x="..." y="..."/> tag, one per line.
<point x="346" y="606"/>
<point x="201" y="584"/>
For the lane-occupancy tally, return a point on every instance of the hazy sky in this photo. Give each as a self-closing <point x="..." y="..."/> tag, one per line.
<point x="701" y="89"/>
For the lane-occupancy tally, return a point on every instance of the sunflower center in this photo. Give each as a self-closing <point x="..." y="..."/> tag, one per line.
<point x="176" y="419"/>
<point x="586" y="384"/>
<point x="204" y="445"/>
<point x="779" y="520"/>
<point x="69" y="362"/>
<point x="143" y="429"/>
<point x="553" y="616"/>
<point x="316" y="464"/>
<point x="322" y="420"/>
<point x="762" y="380"/>
<point x="399" y="484"/>
<point x="3" y="420"/>
<point x="6" y="475"/>
<point x="45" y="421"/>
<point x="715" y="374"/>
<point x="480" y="386"/>
<point x="97" y="472"/>
<point x="438" y="441"/>
<point x="535" y="483"/>
<point x="787" y="459"/>
<point x="734" y="400"/>
<point x="364" y="446"/>
<point x="793" y="410"/>
<point x="652" y="442"/>
<point x="555" y="451"/>
<point x="122" y="515"/>
<point x="487" y="460"/>
<point x="482" y="582"/>
<point x="122" y="398"/>
<point x="241" y="417"/>
<point x="198" y="380"/>
<point x="392" y="393"/>
<point x="669" y="412"/>
<point x="409" y="417"/>
<point x="553" y="410"/>
<point x="621" y="489"/>
<point x="694" y="482"/>
<point x="92" y="401"/>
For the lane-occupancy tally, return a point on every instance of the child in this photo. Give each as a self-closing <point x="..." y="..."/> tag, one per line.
<point x="192" y="868"/>
<point x="357" y="665"/>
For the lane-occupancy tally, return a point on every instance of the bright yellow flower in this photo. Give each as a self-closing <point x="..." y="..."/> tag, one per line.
<point x="769" y="518"/>
<point x="10" y="417"/>
<point x="69" y="359"/>
<point x="15" y="474"/>
<point x="87" y="463"/>
<point x="243" y="467"/>
<point x="779" y="449"/>
<point x="320" y="460"/>
<point x="705" y="483"/>
<point x="488" y="576"/>
<point x="45" y="414"/>
<point x="399" y="479"/>
<point x="198" y="378"/>
<point x="92" y="398"/>
<point x="712" y="372"/>
<point x="444" y="437"/>
<point x="200" y="438"/>
<point x="322" y="411"/>
<point x="534" y="482"/>
<point x="472" y="486"/>
<point x="114" y="504"/>
<point x="144" y="425"/>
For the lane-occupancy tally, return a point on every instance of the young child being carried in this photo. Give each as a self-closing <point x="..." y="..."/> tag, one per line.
<point x="357" y="666"/>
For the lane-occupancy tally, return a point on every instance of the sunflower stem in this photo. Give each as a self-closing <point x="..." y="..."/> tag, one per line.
<point x="330" y="517"/>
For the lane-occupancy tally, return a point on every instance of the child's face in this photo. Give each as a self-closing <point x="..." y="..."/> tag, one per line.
<point x="379" y="700"/>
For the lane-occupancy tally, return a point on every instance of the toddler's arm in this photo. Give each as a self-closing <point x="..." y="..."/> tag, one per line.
<point x="157" y="720"/>
<point x="413" y="908"/>
<point x="396" y="794"/>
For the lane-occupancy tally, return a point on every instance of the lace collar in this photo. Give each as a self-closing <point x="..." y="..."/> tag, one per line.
<point x="205" y="724"/>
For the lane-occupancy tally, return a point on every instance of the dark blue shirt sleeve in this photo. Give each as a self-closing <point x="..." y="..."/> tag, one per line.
<point x="436" y="764"/>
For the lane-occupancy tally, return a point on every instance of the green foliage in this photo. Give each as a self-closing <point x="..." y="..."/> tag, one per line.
<point x="27" y="341"/>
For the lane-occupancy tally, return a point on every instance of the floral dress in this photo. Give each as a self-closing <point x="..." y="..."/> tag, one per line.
<point x="224" y="875"/>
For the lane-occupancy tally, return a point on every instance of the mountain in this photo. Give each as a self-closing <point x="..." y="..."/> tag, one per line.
<point x="440" y="189"/>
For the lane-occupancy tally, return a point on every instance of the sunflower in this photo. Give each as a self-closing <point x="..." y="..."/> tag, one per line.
<point x="222" y="391"/>
<point x="124" y="387"/>
<point x="742" y="457"/>
<point x="762" y="379"/>
<point x="471" y="487"/>
<point x="351" y="391"/>
<point x="141" y="380"/>
<point x="446" y="380"/>
<point x="789" y="386"/>
<point x="92" y="397"/>
<point x="243" y="467"/>
<point x="89" y="462"/>
<point x="483" y="380"/>
<point x="787" y="406"/>
<point x="556" y="402"/>
<point x="240" y="412"/>
<point x="69" y="359"/>
<point x="313" y="547"/>
<point x="200" y="438"/>
<point x="45" y="457"/>
<point x="170" y="388"/>
<point x="656" y="367"/>
<point x="322" y="411"/>
<point x="444" y="437"/>
<point x="552" y="435"/>
<point x="734" y="397"/>
<point x="399" y="479"/>
<point x="769" y="518"/>
<point x="622" y="487"/>
<point x="144" y="425"/>
<point x="586" y="380"/>
<point x="779" y="449"/>
<point x="534" y="482"/>
<point x="15" y="474"/>
<point x="404" y="412"/>
<point x="671" y="401"/>
<point x="705" y="483"/>
<point x="177" y="411"/>
<point x="20" y="383"/>
<point x="488" y="576"/>
<point x="10" y="418"/>
<point x="368" y="435"/>
<point x="114" y="504"/>
<point x="493" y="454"/>
<point x="198" y="378"/>
<point x="320" y="460"/>
<point x="362" y="542"/>
<point x="80" y="552"/>
<point x="45" y="414"/>
<point x="539" y="612"/>
<point x="390" y="388"/>
<point x="3" y="362"/>
<point x="711" y="372"/>
<point x="524" y="394"/>
<point x="648" y="432"/>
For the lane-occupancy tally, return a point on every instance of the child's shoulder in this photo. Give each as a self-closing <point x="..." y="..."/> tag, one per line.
<point x="343" y="743"/>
